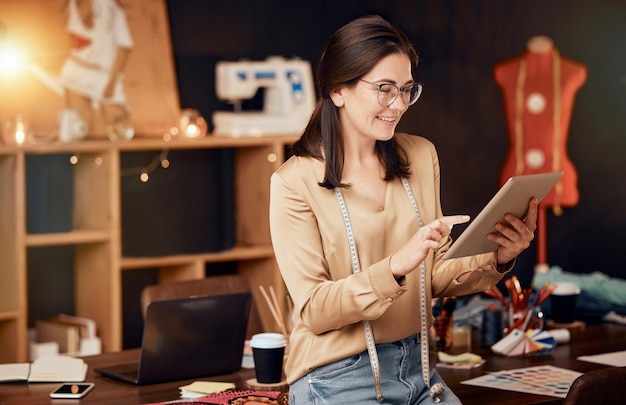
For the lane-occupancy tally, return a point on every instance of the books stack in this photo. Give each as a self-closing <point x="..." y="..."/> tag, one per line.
<point x="75" y="336"/>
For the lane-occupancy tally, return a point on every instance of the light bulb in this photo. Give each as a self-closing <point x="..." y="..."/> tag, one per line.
<point x="191" y="125"/>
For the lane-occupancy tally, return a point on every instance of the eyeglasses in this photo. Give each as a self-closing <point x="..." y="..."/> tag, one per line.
<point x="388" y="92"/>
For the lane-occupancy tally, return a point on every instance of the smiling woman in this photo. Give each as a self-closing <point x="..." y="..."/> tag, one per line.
<point x="359" y="234"/>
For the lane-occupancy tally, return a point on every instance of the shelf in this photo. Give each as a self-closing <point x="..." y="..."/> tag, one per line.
<point x="235" y="254"/>
<point x="9" y="315"/>
<point x="78" y="237"/>
<point x="208" y="142"/>
<point x="96" y="234"/>
<point x="139" y="144"/>
<point x="55" y="148"/>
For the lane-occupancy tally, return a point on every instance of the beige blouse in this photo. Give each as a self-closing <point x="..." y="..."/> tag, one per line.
<point x="311" y="247"/>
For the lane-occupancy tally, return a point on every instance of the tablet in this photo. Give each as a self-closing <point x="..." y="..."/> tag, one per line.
<point x="512" y="197"/>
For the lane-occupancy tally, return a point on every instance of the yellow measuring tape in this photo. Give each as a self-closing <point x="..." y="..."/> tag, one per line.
<point x="435" y="390"/>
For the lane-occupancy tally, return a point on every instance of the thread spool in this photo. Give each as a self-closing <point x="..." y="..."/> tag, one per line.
<point x="492" y="325"/>
<point x="560" y="335"/>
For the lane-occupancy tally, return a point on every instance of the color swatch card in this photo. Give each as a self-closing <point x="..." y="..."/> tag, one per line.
<point x="540" y="380"/>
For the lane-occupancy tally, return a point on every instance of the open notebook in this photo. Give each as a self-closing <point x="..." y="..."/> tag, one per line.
<point x="188" y="338"/>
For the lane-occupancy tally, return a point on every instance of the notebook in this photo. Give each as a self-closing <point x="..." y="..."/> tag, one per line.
<point x="188" y="338"/>
<point x="512" y="197"/>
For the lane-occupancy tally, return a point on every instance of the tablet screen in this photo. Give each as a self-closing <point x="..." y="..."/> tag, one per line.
<point x="512" y="197"/>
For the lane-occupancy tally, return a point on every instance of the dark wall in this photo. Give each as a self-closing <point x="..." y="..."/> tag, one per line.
<point x="461" y="111"/>
<point x="459" y="42"/>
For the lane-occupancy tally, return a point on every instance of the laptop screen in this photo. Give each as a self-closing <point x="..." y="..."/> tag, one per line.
<point x="192" y="337"/>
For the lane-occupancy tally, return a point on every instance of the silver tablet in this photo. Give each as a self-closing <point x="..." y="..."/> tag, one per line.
<point x="512" y="198"/>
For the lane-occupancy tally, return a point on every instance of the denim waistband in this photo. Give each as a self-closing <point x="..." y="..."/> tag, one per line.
<point x="415" y="338"/>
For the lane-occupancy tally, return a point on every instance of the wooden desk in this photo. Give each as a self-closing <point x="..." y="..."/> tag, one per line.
<point x="108" y="391"/>
<point x="595" y="339"/>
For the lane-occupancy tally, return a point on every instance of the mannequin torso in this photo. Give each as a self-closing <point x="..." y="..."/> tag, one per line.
<point x="539" y="89"/>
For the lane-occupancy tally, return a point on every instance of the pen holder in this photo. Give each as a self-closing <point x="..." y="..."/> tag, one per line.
<point x="525" y="319"/>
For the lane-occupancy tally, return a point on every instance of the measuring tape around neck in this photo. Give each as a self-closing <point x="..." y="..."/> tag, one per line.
<point x="356" y="268"/>
<point x="436" y="390"/>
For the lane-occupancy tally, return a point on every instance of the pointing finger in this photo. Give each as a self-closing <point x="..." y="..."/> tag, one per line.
<point x="452" y="220"/>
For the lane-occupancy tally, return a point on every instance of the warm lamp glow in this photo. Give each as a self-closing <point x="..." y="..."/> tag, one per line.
<point x="20" y="132"/>
<point x="192" y="131"/>
<point x="16" y="131"/>
<point x="191" y="124"/>
<point x="11" y="58"/>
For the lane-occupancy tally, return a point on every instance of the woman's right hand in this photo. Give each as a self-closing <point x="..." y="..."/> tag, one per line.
<point x="426" y="238"/>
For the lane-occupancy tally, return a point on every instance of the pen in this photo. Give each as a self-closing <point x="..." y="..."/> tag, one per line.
<point x="530" y="309"/>
<point x="518" y="289"/>
<point x="524" y="296"/>
<point x="512" y="293"/>
<point x="495" y="292"/>
<point x="545" y="292"/>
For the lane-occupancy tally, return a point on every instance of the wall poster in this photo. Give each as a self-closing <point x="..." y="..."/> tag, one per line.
<point x="109" y="60"/>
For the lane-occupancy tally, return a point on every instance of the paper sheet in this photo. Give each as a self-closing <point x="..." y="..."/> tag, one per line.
<point x="617" y="359"/>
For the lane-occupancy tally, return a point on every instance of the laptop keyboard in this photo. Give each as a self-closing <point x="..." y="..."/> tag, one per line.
<point x="127" y="372"/>
<point x="130" y="374"/>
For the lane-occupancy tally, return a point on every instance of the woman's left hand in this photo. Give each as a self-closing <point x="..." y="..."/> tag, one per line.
<point x="515" y="236"/>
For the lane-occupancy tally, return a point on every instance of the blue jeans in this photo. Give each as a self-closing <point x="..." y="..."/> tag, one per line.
<point x="351" y="381"/>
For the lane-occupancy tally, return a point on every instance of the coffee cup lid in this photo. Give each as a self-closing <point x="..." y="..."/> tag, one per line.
<point x="268" y="340"/>
<point x="566" y="288"/>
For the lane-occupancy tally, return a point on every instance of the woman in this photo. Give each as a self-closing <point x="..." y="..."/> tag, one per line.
<point x="358" y="232"/>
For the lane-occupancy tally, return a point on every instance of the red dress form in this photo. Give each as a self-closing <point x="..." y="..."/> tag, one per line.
<point x="538" y="90"/>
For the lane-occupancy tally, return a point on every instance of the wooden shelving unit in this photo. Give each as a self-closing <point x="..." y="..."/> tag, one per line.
<point x="96" y="232"/>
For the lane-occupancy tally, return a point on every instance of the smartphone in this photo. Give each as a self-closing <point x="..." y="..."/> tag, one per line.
<point x="76" y="390"/>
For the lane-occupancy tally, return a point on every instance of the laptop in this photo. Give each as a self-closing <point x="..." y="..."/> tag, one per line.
<point x="188" y="338"/>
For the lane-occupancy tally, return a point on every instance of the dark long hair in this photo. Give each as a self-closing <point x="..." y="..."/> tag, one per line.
<point x="352" y="52"/>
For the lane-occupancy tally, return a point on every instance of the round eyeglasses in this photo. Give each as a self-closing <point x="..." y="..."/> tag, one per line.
<point x="388" y="92"/>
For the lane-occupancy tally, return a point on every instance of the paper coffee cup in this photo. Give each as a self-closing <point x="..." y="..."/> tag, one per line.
<point x="268" y="350"/>
<point x="566" y="288"/>
<point x="563" y="300"/>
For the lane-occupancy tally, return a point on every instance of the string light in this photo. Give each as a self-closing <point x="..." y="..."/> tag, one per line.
<point x="144" y="176"/>
<point x="145" y="171"/>
<point x="191" y="125"/>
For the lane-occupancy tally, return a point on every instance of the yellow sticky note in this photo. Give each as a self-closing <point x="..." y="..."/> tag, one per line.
<point x="208" y="387"/>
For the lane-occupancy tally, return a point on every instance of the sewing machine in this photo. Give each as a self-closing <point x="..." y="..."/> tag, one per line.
<point x="288" y="99"/>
